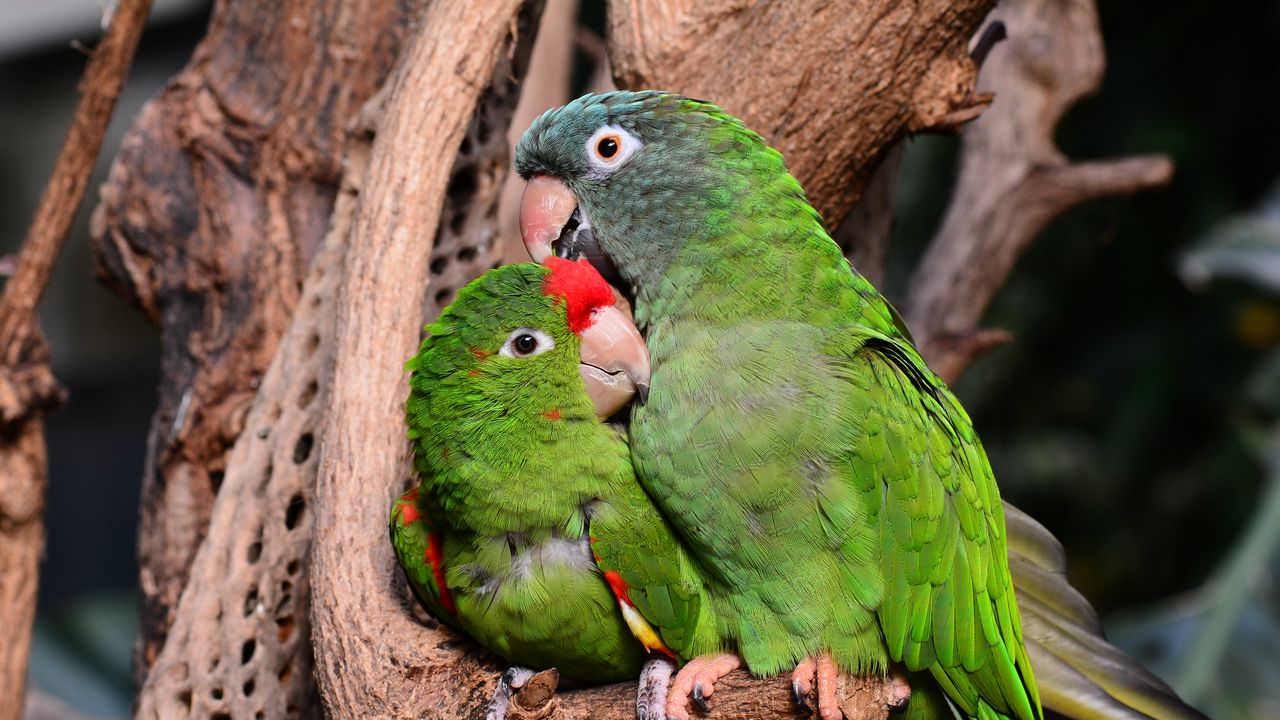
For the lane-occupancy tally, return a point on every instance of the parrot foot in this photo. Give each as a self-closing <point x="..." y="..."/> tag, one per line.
<point x="696" y="681"/>
<point x="651" y="697"/>
<point x="802" y="681"/>
<point x="513" y="680"/>
<point x="866" y="693"/>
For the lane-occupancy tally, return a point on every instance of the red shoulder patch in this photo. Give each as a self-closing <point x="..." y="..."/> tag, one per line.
<point x="581" y="288"/>
<point x="407" y="507"/>
<point x="619" y="586"/>
<point x="435" y="558"/>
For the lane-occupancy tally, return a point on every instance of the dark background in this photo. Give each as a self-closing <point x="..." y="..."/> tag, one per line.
<point x="1131" y="415"/>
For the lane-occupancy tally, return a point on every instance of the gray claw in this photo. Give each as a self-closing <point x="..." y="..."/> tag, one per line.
<point x="698" y="699"/>
<point x="798" y="696"/>
<point x="513" y="679"/>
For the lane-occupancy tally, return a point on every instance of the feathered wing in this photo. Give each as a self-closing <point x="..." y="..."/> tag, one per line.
<point x="1078" y="672"/>
<point x="656" y="583"/>
<point x="421" y="557"/>
<point x="949" y="605"/>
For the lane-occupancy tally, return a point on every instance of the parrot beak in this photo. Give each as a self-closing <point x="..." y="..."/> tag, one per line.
<point x="545" y="209"/>
<point x="614" y="361"/>
<point x="552" y="223"/>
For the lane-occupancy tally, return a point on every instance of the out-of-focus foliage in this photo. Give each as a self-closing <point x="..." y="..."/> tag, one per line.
<point x="1220" y="645"/>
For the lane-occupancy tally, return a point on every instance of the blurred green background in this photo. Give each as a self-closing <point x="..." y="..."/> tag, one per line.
<point x="1135" y="414"/>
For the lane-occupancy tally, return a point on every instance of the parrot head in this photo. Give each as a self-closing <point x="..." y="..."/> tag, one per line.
<point x="520" y="335"/>
<point x="626" y="179"/>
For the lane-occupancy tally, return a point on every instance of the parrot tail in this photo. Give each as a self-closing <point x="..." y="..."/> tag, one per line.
<point x="1079" y="673"/>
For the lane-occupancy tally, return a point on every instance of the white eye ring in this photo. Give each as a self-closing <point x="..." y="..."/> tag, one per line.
<point x="519" y="339"/>
<point x="624" y="145"/>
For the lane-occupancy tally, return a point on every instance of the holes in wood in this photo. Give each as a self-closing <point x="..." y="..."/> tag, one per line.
<point x="184" y="697"/>
<point x="462" y="186"/>
<point x="280" y="606"/>
<point x="302" y="449"/>
<point x="293" y="515"/>
<point x="215" y="480"/>
<point x="439" y="264"/>
<point x="284" y="628"/>
<point x="308" y="394"/>
<point x="253" y="553"/>
<point x="285" y="673"/>
<point x="467" y="254"/>
<point x="313" y="342"/>
<point x="293" y="567"/>
<point x="247" y="650"/>
<point x="444" y="296"/>
<point x="250" y="601"/>
<point x="216" y="693"/>
<point x="249" y="687"/>
<point x="220" y="716"/>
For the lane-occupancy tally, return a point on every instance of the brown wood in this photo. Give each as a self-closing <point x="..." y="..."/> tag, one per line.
<point x="830" y="85"/>
<point x="250" y="582"/>
<point x="213" y="210"/>
<point x="1013" y="179"/>
<point x="373" y="659"/>
<point x="27" y="387"/>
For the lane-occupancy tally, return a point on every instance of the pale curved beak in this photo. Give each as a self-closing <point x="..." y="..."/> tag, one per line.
<point x="615" y="361"/>
<point x="545" y="207"/>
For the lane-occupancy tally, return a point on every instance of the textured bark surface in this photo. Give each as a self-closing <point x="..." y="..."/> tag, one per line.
<point x="240" y="642"/>
<point x="373" y="657"/>
<point x="27" y="387"/>
<point x="1013" y="179"/>
<point x="830" y="85"/>
<point x="212" y="212"/>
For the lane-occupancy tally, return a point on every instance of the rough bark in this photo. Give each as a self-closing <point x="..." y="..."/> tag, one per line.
<point x="830" y="85"/>
<point x="27" y="387"/>
<point x="1013" y="179"/>
<point x="214" y="207"/>
<point x="373" y="658"/>
<point x="240" y="642"/>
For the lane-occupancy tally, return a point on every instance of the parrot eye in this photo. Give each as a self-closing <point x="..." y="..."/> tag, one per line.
<point x="608" y="147"/>
<point x="526" y="342"/>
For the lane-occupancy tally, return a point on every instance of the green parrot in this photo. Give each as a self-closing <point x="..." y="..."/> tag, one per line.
<point x="828" y="483"/>
<point x="529" y="531"/>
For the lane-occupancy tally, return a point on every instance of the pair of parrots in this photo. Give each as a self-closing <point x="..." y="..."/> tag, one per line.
<point x="796" y="490"/>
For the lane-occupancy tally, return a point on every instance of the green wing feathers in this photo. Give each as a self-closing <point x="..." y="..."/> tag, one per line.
<point x="642" y="560"/>
<point x="949" y="605"/>
<point x="421" y="557"/>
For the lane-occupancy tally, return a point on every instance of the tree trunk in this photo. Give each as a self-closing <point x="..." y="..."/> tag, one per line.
<point x="211" y="215"/>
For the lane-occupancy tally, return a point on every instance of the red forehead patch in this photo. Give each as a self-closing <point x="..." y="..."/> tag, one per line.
<point x="581" y="288"/>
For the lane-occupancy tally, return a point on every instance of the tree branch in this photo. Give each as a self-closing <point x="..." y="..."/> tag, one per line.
<point x="27" y="387"/>
<point x="830" y="85"/>
<point x="373" y="659"/>
<point x="1013" y="180"/>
